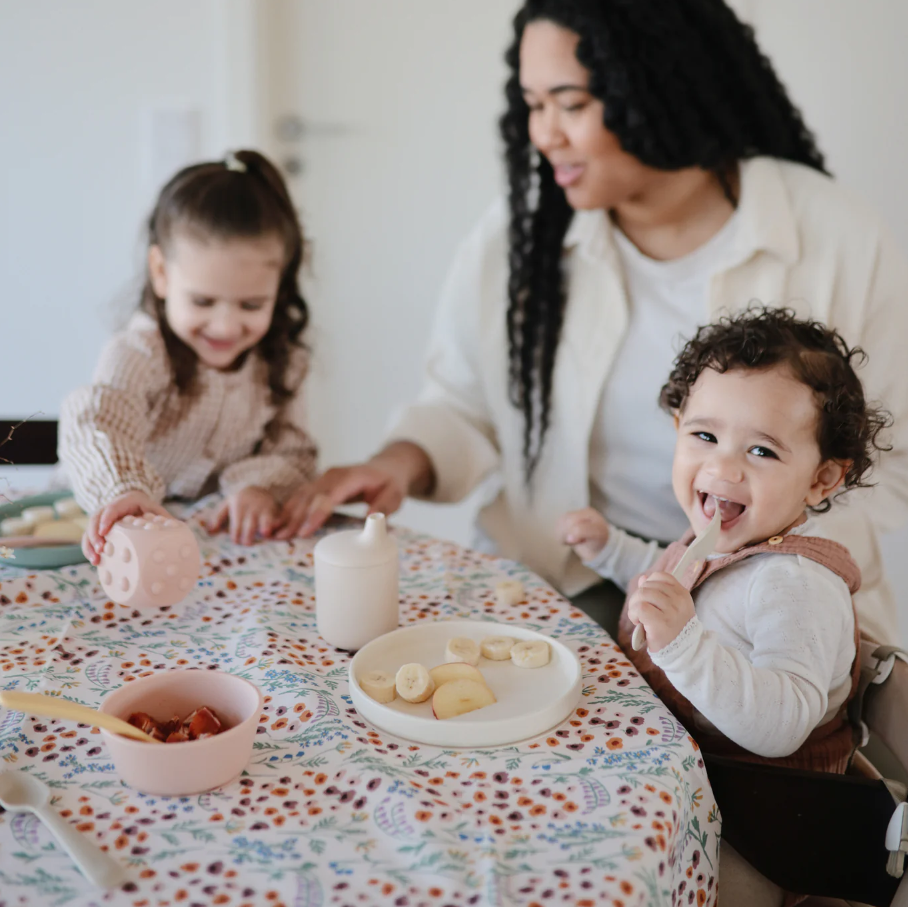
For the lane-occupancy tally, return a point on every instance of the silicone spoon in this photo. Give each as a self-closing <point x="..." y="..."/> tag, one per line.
<point x="19" y="790"/>
<point x="54" y="707"/>
<point x="702" y="546"/>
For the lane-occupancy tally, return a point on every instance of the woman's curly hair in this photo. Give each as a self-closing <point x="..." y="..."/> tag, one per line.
<point x="848" y="426"/>
<point x="246" y="201"/>
<point x="683" y="84"/>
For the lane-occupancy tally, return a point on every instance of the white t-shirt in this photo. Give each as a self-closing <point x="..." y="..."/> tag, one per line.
<point x="633" y="440"/>
<point x="768" y="656"/>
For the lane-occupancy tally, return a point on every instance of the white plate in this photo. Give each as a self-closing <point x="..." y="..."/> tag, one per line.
<point x="530" y="700"/>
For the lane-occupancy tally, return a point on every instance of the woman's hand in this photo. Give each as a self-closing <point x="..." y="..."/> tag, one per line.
<point x="311" y="506"/>
<point x="246" y="513"/>
<point x="132" y="503"/>
<point x="663" y="606"/>
<point x="586" y="531"/>
<point x="383" y="483"/>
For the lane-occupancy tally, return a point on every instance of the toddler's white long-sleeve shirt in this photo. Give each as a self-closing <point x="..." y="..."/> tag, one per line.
<point x="768" y="656"/>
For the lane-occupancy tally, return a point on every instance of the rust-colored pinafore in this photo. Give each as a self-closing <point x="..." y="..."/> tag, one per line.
<point x="829" y="747"/>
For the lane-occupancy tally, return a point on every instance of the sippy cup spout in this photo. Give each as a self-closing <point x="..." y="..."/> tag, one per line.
<point x="375" y="529"/>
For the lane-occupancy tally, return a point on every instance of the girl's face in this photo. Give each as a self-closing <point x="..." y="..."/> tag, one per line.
<point x="566" y="124"/>
<point x="750" y="438"/>
<point x="219" y="295"/>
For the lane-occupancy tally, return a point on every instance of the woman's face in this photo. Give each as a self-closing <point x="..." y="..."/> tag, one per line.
<point x="566" y="123"/>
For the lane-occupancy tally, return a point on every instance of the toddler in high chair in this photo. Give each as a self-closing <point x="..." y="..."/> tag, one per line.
<point x="754" y="649"/>
<point x="203" y="389"/>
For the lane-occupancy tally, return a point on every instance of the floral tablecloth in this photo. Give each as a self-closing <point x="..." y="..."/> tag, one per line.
<point x="613" y="807"/>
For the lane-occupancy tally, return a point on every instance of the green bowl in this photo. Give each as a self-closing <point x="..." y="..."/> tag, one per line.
<point x="40" y="558"/>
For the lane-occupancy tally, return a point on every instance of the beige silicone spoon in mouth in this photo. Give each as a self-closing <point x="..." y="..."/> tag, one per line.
<point x="702" y="546"/>
<point x="54" y="707"/>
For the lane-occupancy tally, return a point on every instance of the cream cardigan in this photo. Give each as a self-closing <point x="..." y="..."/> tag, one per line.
<point x="802" y="241"/>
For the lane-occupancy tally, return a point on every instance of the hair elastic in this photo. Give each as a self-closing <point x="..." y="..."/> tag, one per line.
<point x="232" y="162"/>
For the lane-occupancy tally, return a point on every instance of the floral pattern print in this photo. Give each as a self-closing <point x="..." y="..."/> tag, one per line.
<point x="611" y="808"/>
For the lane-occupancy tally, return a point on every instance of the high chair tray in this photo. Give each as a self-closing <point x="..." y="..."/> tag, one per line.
<point x="40" y="558"/>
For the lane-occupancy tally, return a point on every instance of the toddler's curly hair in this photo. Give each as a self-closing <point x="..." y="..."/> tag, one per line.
<point x="848" y="427"/>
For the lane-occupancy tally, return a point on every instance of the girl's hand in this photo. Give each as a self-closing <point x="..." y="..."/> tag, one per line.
<point x="586" y="531"/>
<point x="246" y="513"/>
<point x="663" y="606"/>
<point x="133" y="503"/>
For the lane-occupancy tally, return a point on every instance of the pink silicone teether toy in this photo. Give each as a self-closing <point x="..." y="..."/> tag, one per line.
<point x="149" y="561"/>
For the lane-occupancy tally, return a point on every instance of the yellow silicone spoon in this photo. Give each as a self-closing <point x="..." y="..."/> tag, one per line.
<point x="54" y="707"/>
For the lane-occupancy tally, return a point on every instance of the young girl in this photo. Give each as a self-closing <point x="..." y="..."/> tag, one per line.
<point x="202" y="391"/>
<point x="754" y="649"/>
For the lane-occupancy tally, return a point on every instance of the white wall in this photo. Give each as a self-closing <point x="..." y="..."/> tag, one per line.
<point x="844" y="64"/>
<point x="79" y="80"/>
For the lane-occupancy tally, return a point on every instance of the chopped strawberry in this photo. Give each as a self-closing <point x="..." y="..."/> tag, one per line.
<point x="202" y="723"/>
<point x="146" y="723"/>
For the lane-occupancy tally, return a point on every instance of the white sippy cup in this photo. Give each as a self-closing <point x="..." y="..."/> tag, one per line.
<point x="356" y="584"/>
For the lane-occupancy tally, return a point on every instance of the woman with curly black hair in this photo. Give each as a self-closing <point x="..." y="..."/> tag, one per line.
<point x="658" y="176"/>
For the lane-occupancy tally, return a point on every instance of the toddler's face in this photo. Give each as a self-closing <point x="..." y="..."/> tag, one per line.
<point x="218" y="295"/>
<point x="750" y="438"/>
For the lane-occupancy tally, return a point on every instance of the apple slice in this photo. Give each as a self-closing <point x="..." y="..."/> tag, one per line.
<point x="456" y="670"/>
<point x="460" y="696"/>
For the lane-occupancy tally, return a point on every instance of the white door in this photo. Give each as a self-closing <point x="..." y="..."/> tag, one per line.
<point x="397" y="105"/>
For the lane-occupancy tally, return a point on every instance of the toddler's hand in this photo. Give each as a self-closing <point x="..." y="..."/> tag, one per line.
<point x="132" y="503"/>
<point x="247" y="512"/>
<point x="663" y="606"/>
<point x="586" y="531"/>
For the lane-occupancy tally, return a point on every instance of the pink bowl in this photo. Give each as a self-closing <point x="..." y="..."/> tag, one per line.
<point x="179" y="769"/>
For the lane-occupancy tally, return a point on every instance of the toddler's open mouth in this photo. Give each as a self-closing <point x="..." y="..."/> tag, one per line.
<point x="730" y="510"/>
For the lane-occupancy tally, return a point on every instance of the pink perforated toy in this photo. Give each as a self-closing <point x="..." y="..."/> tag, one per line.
<point x="149" y="561"/>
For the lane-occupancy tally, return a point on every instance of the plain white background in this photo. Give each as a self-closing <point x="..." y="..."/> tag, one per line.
<point x="398" y="102"/>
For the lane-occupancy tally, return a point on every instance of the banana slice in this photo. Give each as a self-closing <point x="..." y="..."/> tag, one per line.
<point x="379" y="685"/>
<point x="459" y="697"/>
<point x="66" y="530"/>
<point x="531" y="653"/>
<point x="460" y="648"/>
<point x="455" y="670"/>
<point x="414" y="683"/>
<point x="66" y="508"/>
<point x="15" y="525"/>
<point x="497" y="648"/>
<point x="509" y="592"/>
<point x="37" y="515"/>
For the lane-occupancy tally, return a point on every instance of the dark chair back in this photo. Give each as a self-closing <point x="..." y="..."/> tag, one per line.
<point x="28" y="442"/>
